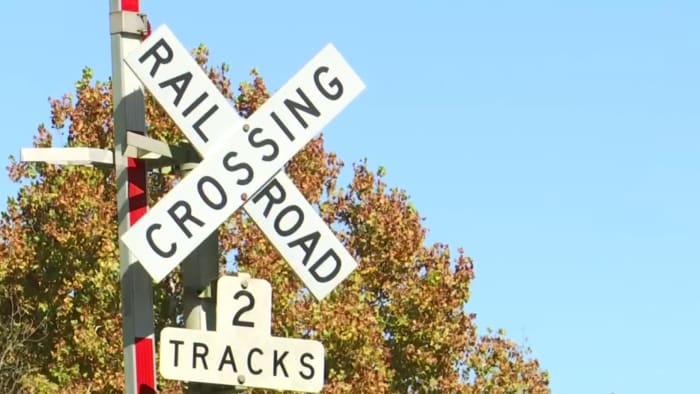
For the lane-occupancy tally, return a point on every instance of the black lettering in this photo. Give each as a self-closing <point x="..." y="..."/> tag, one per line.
<point x="152" y="244"/>
<point x="279" y="362"/>
<point x="282" y="126"/>
<point x="335" y="83"/>
<point x="297" y="224"/>
<point x="302" y="360"/>
<point x="177" y="346"/>
<point x="240" y="166"/>
<point x="250" y="359"/>
<point x="271" y="200"/>
<point x="153" y="51"/>
<point x="295" y="107"/>
<point x="251" y="304"/>
<point x="199" y="351"/>
<point x="334" y="272"/>
<point x="179" y="90"/>
<point x="195" y="104"/>
<point x="222" y="195"/>
<point x="227" y="358"/>
<point x="308" y="249"/>
<point x="187" y="215"/>
<point x="259" y="144"/>
<point x="197" y="126"/>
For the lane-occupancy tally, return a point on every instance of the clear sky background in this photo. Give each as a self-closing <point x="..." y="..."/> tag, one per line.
<point x="556" y="141"/>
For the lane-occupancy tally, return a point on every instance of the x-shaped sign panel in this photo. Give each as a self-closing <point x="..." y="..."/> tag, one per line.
<point x="242" y="161"/>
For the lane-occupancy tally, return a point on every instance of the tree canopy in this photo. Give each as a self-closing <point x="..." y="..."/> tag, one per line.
<point x="398" y="324"/>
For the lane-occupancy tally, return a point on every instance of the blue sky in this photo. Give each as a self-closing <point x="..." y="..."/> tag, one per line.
<point x="557" y="142"/>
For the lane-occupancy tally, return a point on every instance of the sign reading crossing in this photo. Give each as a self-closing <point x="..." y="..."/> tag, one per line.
<point x="239" y="160"/>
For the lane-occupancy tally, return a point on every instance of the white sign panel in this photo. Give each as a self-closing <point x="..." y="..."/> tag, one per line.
<point x="301" y="236"/>
<point x="220" y="358"/>
<point x="243" y="160"/>
<point x="243" y="306"/>
<point x="163" y="58"/>
<point x="183" y="89"/>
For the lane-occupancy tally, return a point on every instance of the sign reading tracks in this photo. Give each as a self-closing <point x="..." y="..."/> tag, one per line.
<point x="241" y="352"/>
<point x="242" y="158"/>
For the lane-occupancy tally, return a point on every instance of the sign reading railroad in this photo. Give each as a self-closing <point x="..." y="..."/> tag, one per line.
<point x="242" y="158"/>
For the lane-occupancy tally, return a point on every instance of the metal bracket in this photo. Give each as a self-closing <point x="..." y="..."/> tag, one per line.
<point x="206" y="293"/>
<point x="128" y="22"/>
<point x="159" y="155"/>
<point x="142" y="147"/>
<point x="69" y="156"/>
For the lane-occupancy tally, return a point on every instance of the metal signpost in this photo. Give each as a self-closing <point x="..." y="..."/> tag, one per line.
<point x="127" y="29"/>
<point x="241" y="166"/>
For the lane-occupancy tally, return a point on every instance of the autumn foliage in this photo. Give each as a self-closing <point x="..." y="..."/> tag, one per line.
<point x="396" y="325"/>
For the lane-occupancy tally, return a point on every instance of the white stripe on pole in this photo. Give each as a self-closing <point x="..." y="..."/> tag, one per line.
<point x="136" y="286"/>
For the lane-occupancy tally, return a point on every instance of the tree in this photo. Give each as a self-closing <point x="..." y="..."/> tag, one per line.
<point x="396" y="325"/>
<point x="16" y="332"/>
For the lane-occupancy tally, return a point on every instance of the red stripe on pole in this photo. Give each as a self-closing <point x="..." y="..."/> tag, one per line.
<point x="130" y="5"/>
<point x="138" y="199"/>
<point x="138" y="205"/>
<point x="145" y="375"/>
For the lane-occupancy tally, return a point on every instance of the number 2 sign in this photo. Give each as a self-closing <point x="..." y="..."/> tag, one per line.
<point x="241" y="351"/>
<point x="243" y="306"/>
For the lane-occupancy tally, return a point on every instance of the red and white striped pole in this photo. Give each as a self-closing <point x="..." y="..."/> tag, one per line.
<point x="127" y="29"/>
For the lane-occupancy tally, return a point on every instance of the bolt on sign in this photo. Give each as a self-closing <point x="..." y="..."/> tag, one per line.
<point x="242" y="162"/>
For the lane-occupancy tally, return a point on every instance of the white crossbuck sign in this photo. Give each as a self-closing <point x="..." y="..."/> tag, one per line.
<point x="241" y="162"/>
<point x="242" y="351"/>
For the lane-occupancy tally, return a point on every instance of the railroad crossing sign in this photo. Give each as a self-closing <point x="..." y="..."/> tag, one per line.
<point x="242" y="158"/>
<point x="241" y="351"/>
